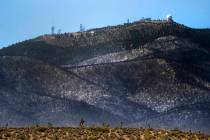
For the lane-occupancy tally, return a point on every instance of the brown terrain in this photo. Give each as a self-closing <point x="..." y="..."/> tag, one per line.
<point x="96" y="133"/>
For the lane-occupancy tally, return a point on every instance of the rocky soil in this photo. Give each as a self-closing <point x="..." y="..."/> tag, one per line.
<point x="97" y="133"/>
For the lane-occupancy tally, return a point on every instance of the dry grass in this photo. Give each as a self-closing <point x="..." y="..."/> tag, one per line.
<point x="96" y="133"/>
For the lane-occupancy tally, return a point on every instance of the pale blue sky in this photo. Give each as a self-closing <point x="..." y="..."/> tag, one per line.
<point x="24" y="19"/>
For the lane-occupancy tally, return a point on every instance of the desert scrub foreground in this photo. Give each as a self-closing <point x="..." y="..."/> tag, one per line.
<point x="96" y="133"/>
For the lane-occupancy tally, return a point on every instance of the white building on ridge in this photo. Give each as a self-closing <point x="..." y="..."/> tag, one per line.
<point x="169" y="18"/>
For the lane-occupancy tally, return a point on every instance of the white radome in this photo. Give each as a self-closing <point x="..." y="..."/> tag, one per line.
<point x="169" y="17"/>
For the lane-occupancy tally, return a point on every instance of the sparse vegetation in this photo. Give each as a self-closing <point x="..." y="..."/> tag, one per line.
<point x="56" y="133"/>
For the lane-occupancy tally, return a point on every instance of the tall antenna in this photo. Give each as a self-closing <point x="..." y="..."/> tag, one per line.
<point x="59" y="31"/>
<point x="53" y="30"/>
<point x="82" y="28"/>
<point x="128" y="21"/>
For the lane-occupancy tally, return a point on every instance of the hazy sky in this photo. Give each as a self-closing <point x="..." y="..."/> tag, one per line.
<point x="24" y="19"/>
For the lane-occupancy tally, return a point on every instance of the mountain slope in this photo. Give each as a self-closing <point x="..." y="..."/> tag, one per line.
<point x="72" y="48"/>
<point x="30" y="94"/>
<point x="147" y="71"/>
<point x="27" y="78"/>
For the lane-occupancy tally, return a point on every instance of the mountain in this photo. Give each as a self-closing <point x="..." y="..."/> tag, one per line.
<point x="29" y="95"/>
<point x="150" y="72"/>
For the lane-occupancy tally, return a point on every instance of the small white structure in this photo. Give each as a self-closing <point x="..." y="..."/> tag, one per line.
<point x="76" y="34"/>
<point x="169" y="18"/>
<point x="92" y="33"/>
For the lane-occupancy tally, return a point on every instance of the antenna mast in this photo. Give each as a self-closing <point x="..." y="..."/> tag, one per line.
<point x="53" y="30"/>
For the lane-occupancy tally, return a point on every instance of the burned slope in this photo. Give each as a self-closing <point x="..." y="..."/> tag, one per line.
<point x="194" y="117"/>
<point x="170" y="77"/>
<point x="38" y="92"/>
<point x="159" y="77"/>
<point x="53" y="54"/>
<point x="30" y="94"/>
<point x="133" y="72"/>
<point x="153" y="83"/>
<point x="72" y="48"/>
<point x="31" y="109"/>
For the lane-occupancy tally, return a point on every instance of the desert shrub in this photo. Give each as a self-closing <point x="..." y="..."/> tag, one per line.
<point x="105" y="125"/>
<point x="121" y="124"/>
<point x="7" y="135"/>
<point x="148" y="134"/>
<point x="49" y="124"/>
<point x="99" y="129"/>
<point x="22" y="137"/>
<point x="42" y="129"/>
